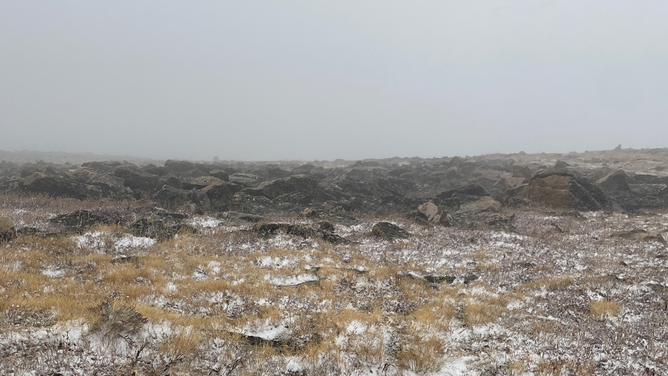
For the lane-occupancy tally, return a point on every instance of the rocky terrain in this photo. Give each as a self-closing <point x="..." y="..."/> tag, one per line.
<point x="523" y="264"/>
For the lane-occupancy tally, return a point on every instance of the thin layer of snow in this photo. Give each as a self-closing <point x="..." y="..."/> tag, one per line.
<point x="293" y="280"/>
<point x="90" y="240"/>
<point x="53" y="272"/>
<point x="204" y="222"/>
<point x="130" y="242"/>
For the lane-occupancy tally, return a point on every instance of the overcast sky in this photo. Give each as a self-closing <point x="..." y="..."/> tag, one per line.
<point x="263" y="80"/>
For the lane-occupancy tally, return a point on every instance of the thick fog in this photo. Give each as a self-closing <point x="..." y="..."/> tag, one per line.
<point x="267" y="80"/>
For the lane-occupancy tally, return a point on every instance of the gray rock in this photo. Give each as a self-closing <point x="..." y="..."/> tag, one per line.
<point x="137" y="180"/>
<point x="429" y="209"/>
<point x="617" y="181"/>
<point x="389" y="231"/>
<point x="563" y="189"/>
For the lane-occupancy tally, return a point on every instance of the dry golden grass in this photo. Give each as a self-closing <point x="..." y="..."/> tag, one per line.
<point x="184" y="343"/>
<point x="482" y="310"/>
<point x="549" y="283"/>
<point x="421" y="355"/>
<point x="120" y="274"/>
<point x="480" y="255"/>
<point x="489" y="267"/>
<point x="603" y="309"/>
<point x="435" y="315"/>
<point x="516" y="367"/>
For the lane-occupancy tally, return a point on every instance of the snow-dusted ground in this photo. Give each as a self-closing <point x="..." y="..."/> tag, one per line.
<point x="560" y="296"/>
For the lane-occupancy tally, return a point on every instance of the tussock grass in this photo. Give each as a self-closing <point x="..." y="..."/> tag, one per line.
<point x="549" y="283"/>
<point x="604" y="309"/>
<point x="421" y="355"/>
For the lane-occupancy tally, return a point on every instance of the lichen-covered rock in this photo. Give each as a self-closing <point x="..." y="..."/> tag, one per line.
<point x="429" y="209"/>
<point x="563" y="189"/>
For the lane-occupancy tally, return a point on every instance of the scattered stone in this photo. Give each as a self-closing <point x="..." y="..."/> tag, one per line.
<point x="389" y="231"/>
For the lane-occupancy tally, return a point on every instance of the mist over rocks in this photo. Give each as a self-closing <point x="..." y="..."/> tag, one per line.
<point x="616" y="180"/>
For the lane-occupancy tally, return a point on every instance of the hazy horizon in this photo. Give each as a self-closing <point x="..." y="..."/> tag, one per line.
<point x="297" y="80"/>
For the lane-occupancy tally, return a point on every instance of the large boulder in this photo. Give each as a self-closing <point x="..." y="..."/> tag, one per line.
<point x="137" y="180"/>
<point x="92" y="184"/>
<point x="563" y="189"/>
<point x="52" y="185"/>
<point x="389" y="231"/>
<point x="221" y="196"/>
<point x="185" y="169"/>
<point x="7" y="230"/>
<point x="172" y="198"/>
<point x="455" y="198"/>
<point x="617" y="181"/>
<point x="298" y="183"/>
<point x="429" y="210"/>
